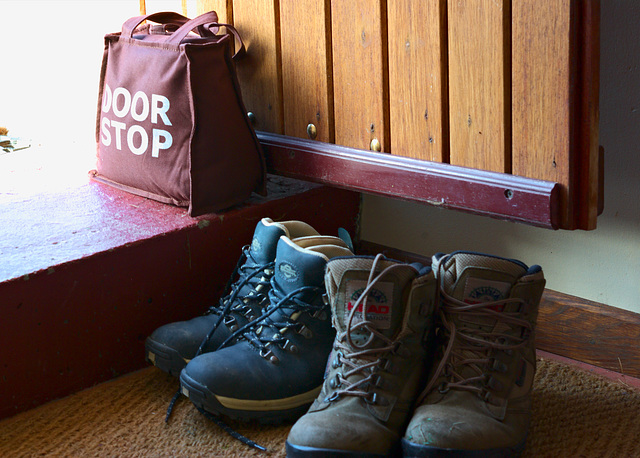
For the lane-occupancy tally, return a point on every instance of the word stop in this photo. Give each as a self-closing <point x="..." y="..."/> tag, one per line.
<point x="139" y="108"/>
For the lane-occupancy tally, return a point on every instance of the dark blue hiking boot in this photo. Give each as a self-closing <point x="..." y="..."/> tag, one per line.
<point x="171" y="346"/>
<point x="275" y="369"/>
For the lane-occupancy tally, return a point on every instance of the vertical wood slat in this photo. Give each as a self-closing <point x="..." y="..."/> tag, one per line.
<point x="360" y="77"/>
<point x="587" y="169"/>
<point x="305" y="32"/>
<point x="223" y="8"/>
<point x="260" y="72"/>
<point x="542" y="94"/>
<point x="479" y="69"/>
<point x="184" y="7"/>
<point x="418" y="99"/>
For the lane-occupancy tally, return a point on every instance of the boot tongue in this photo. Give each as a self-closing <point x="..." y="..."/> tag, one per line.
<point x="297" y="267"/>
<point x="474" y="278"/>
<point x="384" y="304"/>
<point x="265" y="241"/>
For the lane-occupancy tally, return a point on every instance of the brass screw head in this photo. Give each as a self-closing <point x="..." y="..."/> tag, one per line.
<point x="312" y="131"/>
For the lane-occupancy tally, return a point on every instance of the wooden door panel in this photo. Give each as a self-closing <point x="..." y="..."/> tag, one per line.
<point x="305" y="33"/>
<point x="179" y="6"/>
<point x="360" y="73"/>
<point x="259" y="71"/>
<point x="555" y="100"/>
<point x="418" y="99"/>
<point x="541" y="91"/>
<point x="223" y="8"/>
<point x="479" y="69"/>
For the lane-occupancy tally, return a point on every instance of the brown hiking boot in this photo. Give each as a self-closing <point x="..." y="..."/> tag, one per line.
<point x="382" y="311"/>
<point x="478" y="399"/>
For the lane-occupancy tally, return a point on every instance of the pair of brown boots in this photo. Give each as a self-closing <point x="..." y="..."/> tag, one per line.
<point x="427" y="361"/>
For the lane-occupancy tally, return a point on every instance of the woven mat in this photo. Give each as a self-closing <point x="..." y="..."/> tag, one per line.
<point x="576" y="414"/>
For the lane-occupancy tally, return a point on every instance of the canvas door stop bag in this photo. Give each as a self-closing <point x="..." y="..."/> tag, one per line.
<point x="171" y="124"/>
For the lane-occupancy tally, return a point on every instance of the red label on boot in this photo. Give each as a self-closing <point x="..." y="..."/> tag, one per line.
<point x="378" y="303"/>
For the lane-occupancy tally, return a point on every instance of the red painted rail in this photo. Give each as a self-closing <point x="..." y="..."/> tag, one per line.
<point x="497" y="195"/>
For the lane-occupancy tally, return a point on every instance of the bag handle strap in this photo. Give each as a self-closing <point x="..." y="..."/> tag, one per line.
<point x="166" y="17"/>
<point x="206" y="21"/>
<point x="241" y="49"/>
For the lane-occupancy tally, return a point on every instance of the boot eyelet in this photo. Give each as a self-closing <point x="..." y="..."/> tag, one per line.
<point x="337" y="362"/>
<point x="443" y="388"/>
<point x="487" y="397"/>
<point x="388" y="367"/>
<point x="320" y="315"/>
<point x="401" y="351"/>
<point x="305" y="332"/>
<point x="267" y="354"/>
<point x="493" y="384"/>
<point x="292" y="348"/>
<point x="373" y="398"/>
<point x="333" y="397"/>
<point x="334" y="383"/>
<point x="498" y="366"/>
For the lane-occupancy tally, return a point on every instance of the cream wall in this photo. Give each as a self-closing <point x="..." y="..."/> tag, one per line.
<point x="601" y="265"/>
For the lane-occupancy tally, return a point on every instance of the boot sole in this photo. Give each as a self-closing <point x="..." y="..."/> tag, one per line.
<point x="300" y="451"/>
<point x="264" y="411"/>
<point x="411" y="449"/>
<point x="164" y="358"/>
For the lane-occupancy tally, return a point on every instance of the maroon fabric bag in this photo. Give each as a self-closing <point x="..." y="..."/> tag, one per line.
<point x="171" y="123"/>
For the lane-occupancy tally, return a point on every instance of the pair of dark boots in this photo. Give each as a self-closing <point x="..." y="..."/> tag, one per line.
<point x="261" y="351"/>
<point x="442" y="355"/>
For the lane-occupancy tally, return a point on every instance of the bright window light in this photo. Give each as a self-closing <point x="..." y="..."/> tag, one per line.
<point x="50" y="58"/>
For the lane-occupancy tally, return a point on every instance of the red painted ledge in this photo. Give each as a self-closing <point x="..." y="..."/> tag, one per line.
<point x="88" y="271"/>
<point x="497" y="195"/>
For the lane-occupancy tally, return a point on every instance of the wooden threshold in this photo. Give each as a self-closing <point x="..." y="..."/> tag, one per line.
<point x="569" y="326"/>
<point x="498" y="195"/>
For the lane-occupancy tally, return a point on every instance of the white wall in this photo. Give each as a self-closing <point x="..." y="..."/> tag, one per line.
<point x="601" y="265"/>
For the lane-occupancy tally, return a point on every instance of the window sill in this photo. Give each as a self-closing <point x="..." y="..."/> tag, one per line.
<point x="89" y="271"/>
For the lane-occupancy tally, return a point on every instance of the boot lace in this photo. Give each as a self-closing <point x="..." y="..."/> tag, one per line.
<point x="231" y="300"/>
<point x="364" y="359"/>
<point x="267" y="331"/>
<point x="466" y="362"/>
<point x="254" y="331"/>
<point x="258" y="277"/>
